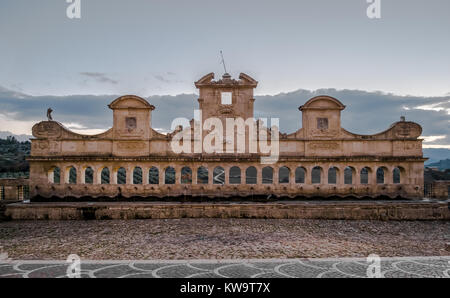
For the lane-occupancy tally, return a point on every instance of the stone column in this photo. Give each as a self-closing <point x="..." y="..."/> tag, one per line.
<point x="195" y="174"/>
<point x="357" y="178"/>
<point x="227" y="175"/>
<point x="161" y="174"/>
<point x="177" y="174"/>
<point x="259" y="177"/>
<point x="113" y="175"/>
<point x="210" y="175"/>
<point x="81" y="175"/>
<point x="95" y="175"/>
<point x="388" y="175"/>
<point x="373" y="176"/>
<point x="276" y="171"/>
<point x="129" y="178"/>
<point x="292" y="174"/>
<point x="323" y="177"/>
<point x="144" y="175"/>
<point x="308" y="175"/>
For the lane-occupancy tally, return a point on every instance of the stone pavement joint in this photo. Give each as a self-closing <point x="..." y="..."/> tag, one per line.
<point x="396" y="267"/>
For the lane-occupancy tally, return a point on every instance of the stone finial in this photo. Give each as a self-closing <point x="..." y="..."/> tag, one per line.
<point x="402" y="118"/>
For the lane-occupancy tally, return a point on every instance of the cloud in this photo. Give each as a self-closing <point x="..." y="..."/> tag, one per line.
<point x="430" y="139"/>
<point x="166" y="80"/>
<point x="99" y="77"/>
<point x="365" y="112"/>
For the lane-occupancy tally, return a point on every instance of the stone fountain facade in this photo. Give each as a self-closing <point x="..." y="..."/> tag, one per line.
<point x="131" y="159"/>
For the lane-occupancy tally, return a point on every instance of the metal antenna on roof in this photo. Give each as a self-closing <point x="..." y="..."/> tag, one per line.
<point x="223" y="62"/>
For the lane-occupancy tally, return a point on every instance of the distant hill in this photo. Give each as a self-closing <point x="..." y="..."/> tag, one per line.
<point x="442" y="164"/>
<point x="435" y="155"/>
<point x="20" y="138"/>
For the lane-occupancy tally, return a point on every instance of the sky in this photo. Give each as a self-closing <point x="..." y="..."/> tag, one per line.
<point x="161" y="47"/>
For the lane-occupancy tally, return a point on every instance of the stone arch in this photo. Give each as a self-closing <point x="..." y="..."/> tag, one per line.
<point x="300" y="175"/>
<point x="137" y="175"/>
<point x="267" y="175"/>
<point x="349" y="175"/>
<point x="283" y="174"/>
<point x="186" y="175"/>
<point x="251" y="175"/>
<point x="169" y="175"/>
<point x="218" y="175"/>
<point x="71" y="175"/>
<point x="54" y="175"/>
<point x="323" y="100"/>
<point x="333" y="173"/>
<point x="381" y="175"/>
<point x="202" y="175"/>
<point x="364" y="175"/>
<point x="398" y="174"/>
<point x="105" y="176"/>
<point x="153" y="175"/>
<point x="121" y="175"/>
<point x="141" y="103"/>
<point x="316" y="175"/>
<point x="88" y="175"/>
<point x="235" y="175"/>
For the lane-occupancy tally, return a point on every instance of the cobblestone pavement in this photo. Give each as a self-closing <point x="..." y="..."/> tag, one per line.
<point x="212" y="238"/>
<point x="407" y="267"/>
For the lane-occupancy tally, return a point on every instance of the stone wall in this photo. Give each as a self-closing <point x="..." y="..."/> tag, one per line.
<point x="14" y="188"/>
<point x="306" y="210"/>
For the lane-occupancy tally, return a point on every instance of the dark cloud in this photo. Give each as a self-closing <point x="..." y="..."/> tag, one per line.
<point x="365" y="113"/>
<point x="99" y="77"/>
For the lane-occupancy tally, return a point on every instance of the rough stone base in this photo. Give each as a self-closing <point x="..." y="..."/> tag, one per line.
<point x="374" y="210"/>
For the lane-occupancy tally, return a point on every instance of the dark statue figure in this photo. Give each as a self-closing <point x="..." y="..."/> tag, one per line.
<point x="49" y="114"/>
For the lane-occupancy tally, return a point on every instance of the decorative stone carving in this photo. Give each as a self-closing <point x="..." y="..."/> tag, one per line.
<point x="47" y="129"/>
<point x="323" y="146"/>
<point x="131" y="123"/>
<point x="407" y="130"/>
<point x="131" y="146"/>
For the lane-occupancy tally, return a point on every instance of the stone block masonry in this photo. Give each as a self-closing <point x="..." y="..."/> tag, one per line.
<point x="352" y="210"/>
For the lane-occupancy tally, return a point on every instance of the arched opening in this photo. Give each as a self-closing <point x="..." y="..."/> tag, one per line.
<point x="169" y="176"/>
<point x="364" y="175"/>
<point x="348" y="175"/>
<point x="122" y="176"/>
<point x="137" y="175"/>
<point x="186" y="175"/>
<point x="332" y="175"/>
<point x="54" y="175"/>
<point x="105" y="177"/>
<point x="88" y="175"/>
<point x="267" y="175"/>
<point x="251" y="175"/>
<point x="380" y="175"/>
<point x="283" y="175"/>
<point x="153" y="175"/>
<point x="235" y="175"/>
<point x="396" y="175"/>
<point x="202" y="175"/>
<point x="71" y="175"/>
<point x="219" y="175"/>
<point x="300" y="174"/>
<point x="316" y="174"/>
